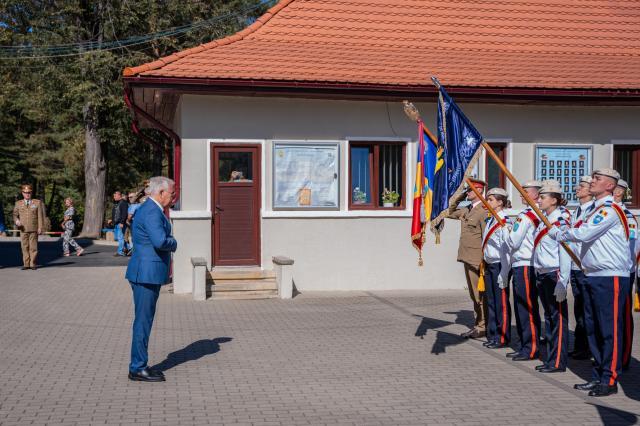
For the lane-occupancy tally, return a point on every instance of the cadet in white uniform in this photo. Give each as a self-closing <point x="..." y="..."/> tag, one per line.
<point x="606" y="262"/>
<point x="578" y="279"/>
<point x="619" y="196"/>
<point x="553" y="269"/>
<point x="496" y="261"/>
<point x="519" y="241"/>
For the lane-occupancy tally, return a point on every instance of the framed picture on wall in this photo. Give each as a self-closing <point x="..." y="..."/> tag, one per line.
<point x="576" y="161"/>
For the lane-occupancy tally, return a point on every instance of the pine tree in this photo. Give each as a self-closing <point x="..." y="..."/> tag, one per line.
<point x="63" y="122"/>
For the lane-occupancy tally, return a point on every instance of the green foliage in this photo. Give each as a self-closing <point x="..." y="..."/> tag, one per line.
<point x="42" y="99"/>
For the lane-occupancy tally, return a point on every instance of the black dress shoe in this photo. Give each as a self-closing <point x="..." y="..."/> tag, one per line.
<point x="155" y="372"/>
<point x="541" y="366"/>
<point x="24" y="268"/>
<point x="580" y="355"/>
<point x="488" y="343"/>
<point x="146" y="375"/>
<point x="522" y="357"/>
<point x="466" y="334"/>
<point x="478" y="334"/>
<point x="586" y="386"/>
<point x="497" y="345"/>
<point x="603" y="390"/>
<point x="33" y="268"/>
<point x="552" y="370"/>
<point x="512" y="354"/>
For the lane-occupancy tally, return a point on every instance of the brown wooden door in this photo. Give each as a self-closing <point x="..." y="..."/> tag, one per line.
<point x="236" y="204"/>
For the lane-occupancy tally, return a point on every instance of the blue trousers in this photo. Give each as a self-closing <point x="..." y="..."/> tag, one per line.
<point x="145" y="297"/>
<point x="118" y="234"/>
<point x="604" y="319"/>
<point x="628" y="324"/>
<point x="556" y="321"/>
<point x="525" y="294"/>
<point x="578" y="283"/>
<point x="498" y="306"/>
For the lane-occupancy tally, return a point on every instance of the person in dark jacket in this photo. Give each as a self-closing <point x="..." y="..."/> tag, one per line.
<point x="148" y="270"/>
<point x="119" y="222"/>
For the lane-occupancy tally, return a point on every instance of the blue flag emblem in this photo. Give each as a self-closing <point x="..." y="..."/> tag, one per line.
<point x="460" y="141"/>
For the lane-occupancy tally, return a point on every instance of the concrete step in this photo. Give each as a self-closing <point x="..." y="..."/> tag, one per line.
<point x="242" y="274"/>
<point x="244" y="295"/>
<point x="238" y="285"/>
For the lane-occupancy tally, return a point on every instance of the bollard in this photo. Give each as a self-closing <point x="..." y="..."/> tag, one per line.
<point x="199" y="278"/>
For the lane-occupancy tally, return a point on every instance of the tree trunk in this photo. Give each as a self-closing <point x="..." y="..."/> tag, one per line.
<point x="95" y="176"/>
<point x="156" y="158"/>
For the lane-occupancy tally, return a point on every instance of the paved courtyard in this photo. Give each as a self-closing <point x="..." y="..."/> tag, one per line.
<point x="355" y="358"/>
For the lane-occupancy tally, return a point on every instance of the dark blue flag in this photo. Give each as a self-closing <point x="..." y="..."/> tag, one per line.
<point x="460" y="141"/>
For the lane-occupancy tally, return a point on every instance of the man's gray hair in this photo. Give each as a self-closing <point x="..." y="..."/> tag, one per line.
<point x="159" y="183"/>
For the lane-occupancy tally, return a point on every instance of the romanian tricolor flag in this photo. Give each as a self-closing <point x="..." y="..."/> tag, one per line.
<point x="418" y="221"/>
<point x="428" y="163"/>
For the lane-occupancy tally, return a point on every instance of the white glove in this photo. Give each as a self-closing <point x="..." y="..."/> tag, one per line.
<point x="554" y="232"/>
<point x="18" y="223"/>
<point x="560" y="292"/>
<point x="502" y="282"/>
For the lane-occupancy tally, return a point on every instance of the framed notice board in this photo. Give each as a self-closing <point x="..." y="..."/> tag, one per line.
<point x="566" y="164"/>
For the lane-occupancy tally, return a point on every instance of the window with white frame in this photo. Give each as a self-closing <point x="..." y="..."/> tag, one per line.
<point x="306" y="176"/>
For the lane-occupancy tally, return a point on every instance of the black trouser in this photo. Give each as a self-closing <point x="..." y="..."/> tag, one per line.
<point x="556" y="321"/>
<point x="498" y="306"/>
<point x="525" y="295"/>
<point x="578" y="283"/>
<point x="627" y="335"/>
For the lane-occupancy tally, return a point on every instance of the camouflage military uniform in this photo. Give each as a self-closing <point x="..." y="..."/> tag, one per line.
<point x="30" y="213"/>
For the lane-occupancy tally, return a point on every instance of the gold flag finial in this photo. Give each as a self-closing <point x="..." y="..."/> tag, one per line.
<point x="411" y="111"/>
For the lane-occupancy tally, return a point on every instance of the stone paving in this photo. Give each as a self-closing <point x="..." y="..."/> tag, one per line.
<point x="350" y="358"/>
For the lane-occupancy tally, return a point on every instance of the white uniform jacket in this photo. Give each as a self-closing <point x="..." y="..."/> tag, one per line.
<point x="494" y="247"/>
<point x="632" y="231"/>
<point x="548" y="254"/>
<point x="605" y="246"/>
<point x="519" y="239"/>
<point x="577" y="220"/>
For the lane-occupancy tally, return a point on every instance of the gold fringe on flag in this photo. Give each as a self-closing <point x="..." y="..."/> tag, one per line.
<point x="636" y="303"/>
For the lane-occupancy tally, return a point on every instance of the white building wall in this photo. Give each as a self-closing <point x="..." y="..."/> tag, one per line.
<point x="364" y="250"/>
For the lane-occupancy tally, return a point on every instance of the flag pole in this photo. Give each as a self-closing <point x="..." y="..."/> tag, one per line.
<point x="470" y="183"/>
<point x="528" y="199"/>
<point x="483" y="200"/>
<point x="520" y="189"/>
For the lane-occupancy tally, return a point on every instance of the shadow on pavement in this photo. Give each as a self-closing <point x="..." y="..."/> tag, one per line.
<point x="50" y="254"/>
<point x="444" y="339"/>
<point x="192" y="352"/>
<point x="613" y="416"/>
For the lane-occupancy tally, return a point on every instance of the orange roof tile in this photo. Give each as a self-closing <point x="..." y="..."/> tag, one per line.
<point x="564" y="44"/>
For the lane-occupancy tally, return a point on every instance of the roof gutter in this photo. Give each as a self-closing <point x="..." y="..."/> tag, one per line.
<point x="177" y="142"/>
<point x="380" y="90"/>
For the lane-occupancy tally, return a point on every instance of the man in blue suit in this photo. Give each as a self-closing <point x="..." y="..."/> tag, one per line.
<point x="148" y="270"/>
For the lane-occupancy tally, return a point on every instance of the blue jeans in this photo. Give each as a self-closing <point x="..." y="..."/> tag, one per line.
<point x="118" y="234"/>
<point x="145" y="297"/>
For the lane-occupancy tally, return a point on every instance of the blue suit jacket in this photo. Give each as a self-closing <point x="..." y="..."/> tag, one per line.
<point x="153" y="244"/>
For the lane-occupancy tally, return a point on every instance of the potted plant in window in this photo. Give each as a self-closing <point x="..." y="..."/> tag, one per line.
<point x="359" y="196"/>
<point x="389" y="198"/>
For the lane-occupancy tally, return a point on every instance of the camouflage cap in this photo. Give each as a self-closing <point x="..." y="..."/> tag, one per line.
<point x="551" y="187"/>
<point x="497" y="191"/>
<point x="607" y="172"/>
<point x="532" y="184"/>
<point x="623" y="184"/>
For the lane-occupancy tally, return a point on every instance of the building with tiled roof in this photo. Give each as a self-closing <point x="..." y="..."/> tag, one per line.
<point x="545" y="81"/>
